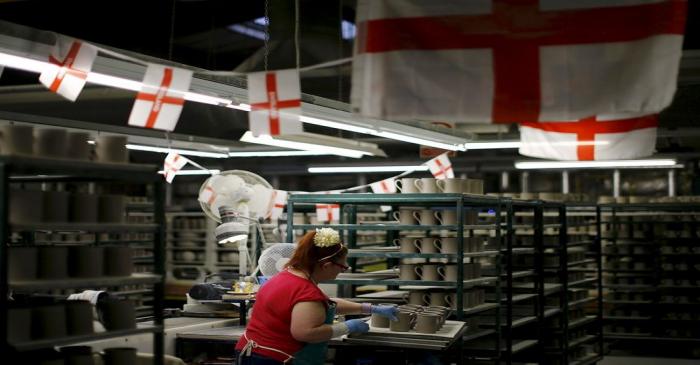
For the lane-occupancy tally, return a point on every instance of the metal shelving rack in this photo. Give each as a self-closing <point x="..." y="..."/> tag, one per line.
<point x="33" y="169"/>
<point x="652" y="272"/>
<point x="462" y="203"/>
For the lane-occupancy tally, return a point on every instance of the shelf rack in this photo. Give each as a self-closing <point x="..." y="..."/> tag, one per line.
<point x="652" y="269"/>
<point x="27" y="169"/>
<point x="462" y="204"/>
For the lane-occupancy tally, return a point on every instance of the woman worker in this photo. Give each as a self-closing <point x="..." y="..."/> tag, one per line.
<point x="293" y="319"/>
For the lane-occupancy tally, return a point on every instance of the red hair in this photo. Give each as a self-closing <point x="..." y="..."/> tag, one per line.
<point x="307" y="254"/>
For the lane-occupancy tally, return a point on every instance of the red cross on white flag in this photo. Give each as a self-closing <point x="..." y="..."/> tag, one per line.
<point x="172" y="164"/>
<point x="70" y="62"/>
<point x="275" y="102"/>
<point x="277" y="204"/>
<point x="441" y="167"/>
<point x="595" y="138"/>
<point x="515" y="60"/>
<point x="159" y="103"/>
<point x="208" y="195"/>
<point x="328" y="212"/>
<point x="385" y="186"/>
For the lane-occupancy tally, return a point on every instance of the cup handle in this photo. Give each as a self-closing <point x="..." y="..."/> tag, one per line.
<point x="417" y="243"/>
<point x="397" y="183"/>
<point x="440" y="184"/>
<point x="438" y="216"/>
<point x="426" y="299"/>
<point x="441" y="271"/>
<point x="395" y="214"/>
<point x="418" y="184"/>
<point x="448" y="299"/>
<point x="419" y="271"/>
<point x="438" y="244"/>
<point x="416" y="216"/>
<point x="396" y="242"/>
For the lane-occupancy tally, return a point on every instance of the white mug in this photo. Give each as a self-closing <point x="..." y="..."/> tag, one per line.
<point x="425" y="217"/>
<point x="453" y="185"/>
<point x="437" y="299"/>
<point x="427" y="272"/>
<point x="405" y="245"/>
<point x="446" y="217"/>
<point x="404" y="216"/>
<point x="407" y="272"/>
<point x="406" y="185"/>
<point x="427" y="244"/>
<point x="416" y="297"/>
<point x="426" y="185"/>
<point x="449" y="244"/>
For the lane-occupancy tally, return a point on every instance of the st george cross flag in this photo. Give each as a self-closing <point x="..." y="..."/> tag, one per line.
<point x="159" y="103"/>
<point x="70" y="62"/>
<point x="275" y="102"/>
<point x="208" y="195"/>
<point x="277" y="204"/>
<point x="441" y="167"/>
<point x="609" y="137"/>
<point x="172" y="164"/>
<point x="328" y="212"/>
<point x="385" y="186"/>
<point x="501" y="61"/>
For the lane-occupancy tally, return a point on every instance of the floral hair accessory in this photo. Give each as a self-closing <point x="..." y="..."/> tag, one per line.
<point x="326" y="237"/>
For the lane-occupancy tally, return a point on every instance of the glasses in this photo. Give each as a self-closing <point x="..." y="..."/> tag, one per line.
<point x="343" y="267"/>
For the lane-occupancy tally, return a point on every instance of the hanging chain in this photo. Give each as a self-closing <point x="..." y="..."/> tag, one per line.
<point x="267" y="31"/>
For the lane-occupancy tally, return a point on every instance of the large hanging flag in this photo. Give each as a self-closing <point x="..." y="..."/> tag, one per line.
<point x="441" y="167"/>
<point x="328" y="212"/>
<point x="597" y="138"/>
<point x="483" y="61"/>
<point x="172" y="164"/>
<point x="275" y="102"/>
<point x="70" y="61"/>
<point x="159" y="103"/>
<point x="277" y="204"/>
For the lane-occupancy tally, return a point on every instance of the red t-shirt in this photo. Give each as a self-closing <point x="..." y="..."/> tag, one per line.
<point x="270" y="323"/>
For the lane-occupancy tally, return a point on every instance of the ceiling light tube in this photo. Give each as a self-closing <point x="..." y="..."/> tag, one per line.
<point x="138" y="147"/>
<point x="529" y="165"/>
<point x="194" y="172"/>
<point x="313" y="142"/>
<point x="275" y="153"/>
<point x="362" y="169"/>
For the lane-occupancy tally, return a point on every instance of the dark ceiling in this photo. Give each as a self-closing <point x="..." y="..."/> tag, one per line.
<point x="198" y="33"/>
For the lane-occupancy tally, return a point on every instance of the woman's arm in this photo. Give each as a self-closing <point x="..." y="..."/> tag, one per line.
<point x="308" y="323"/>
<point x="344" y="306"/>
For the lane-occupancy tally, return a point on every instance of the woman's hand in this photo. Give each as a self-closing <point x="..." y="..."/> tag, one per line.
<point x="357" y="325"/>
<point x="388" y="311"/>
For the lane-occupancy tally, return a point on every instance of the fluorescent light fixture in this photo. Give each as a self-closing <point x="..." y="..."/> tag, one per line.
<point x="275" y="153"/>
<point x="138" y="147"/>
<point x="529" y="165"/>
<point x="360" y="169"/>
<point x="381" y="133"/>
<point x="194" y="172"/>
<point x="494" y="145"/>
<point x="317" y="143"/>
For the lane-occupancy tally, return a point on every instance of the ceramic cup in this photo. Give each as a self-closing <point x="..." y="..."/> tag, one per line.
<point x="19" y="325"/>
<point x="78" y="317"/>
<point x="437" y="299"/>
<point x="406" y="185"/>
<point x="53" y="262"/>
<point x="86" y="261"/>
<point x="405" y="245"/>
<point x="451" y="300"/>
<point x="16" y="140"/>
<point x="404" y="216"/>
<point x="56" y="206"/>
<point x="427" y="322"/>
<point x="112" y="208"/>
<point x="49" y="321"/>
<point x="449" y="244"/>
<point x="50" y="142"/>
<point x="84" y="208"/>
<point x="118" y="261"/>
<point x="453" y="185"/>
<point x="77" y="146"/>
<point x="118" y="315"/>
<point x="78" y="355"/>
<point x="405" y="322"/>
<point x="111" y="149"/>
<point x="119" y="356"/>
<point x="427" y="272"/>
<point x="427" y="244"/>
<point x="446" y="217"/>
<point x="425" y="217"/>
<point x="22" y="263"/>
<point x="26" y="206"/>
<point x="407" y="272"/>
<point x="426" y="185"/>
<point x="417" y="298"/>
<point x="381" y="321"/>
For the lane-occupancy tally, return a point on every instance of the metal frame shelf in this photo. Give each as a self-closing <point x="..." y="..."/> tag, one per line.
<point x="36" y="169"/>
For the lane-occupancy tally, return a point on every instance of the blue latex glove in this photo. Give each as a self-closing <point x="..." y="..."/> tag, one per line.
<point x="388" y="311"/>
<point x="357" y="326"/>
